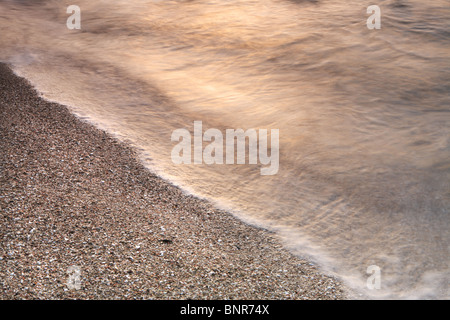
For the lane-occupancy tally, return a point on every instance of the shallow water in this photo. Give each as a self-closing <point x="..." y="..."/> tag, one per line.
<point x="364" y="115"/>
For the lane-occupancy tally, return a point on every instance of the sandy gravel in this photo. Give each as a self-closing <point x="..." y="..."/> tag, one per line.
<point x="71" y="195"/>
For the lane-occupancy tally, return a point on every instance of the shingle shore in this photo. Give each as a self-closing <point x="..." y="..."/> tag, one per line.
<point x="71" y="195"/>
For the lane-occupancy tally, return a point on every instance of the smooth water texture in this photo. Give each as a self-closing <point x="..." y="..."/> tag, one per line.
<point x="364" y="115"/>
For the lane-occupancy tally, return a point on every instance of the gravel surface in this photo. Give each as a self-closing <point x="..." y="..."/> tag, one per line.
<point x="76" y="203"/>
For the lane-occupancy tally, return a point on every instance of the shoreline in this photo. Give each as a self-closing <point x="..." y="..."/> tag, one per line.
<point x="72" y="195"/>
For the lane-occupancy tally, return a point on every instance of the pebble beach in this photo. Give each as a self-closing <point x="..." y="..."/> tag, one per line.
<point x="71" y="195"/>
